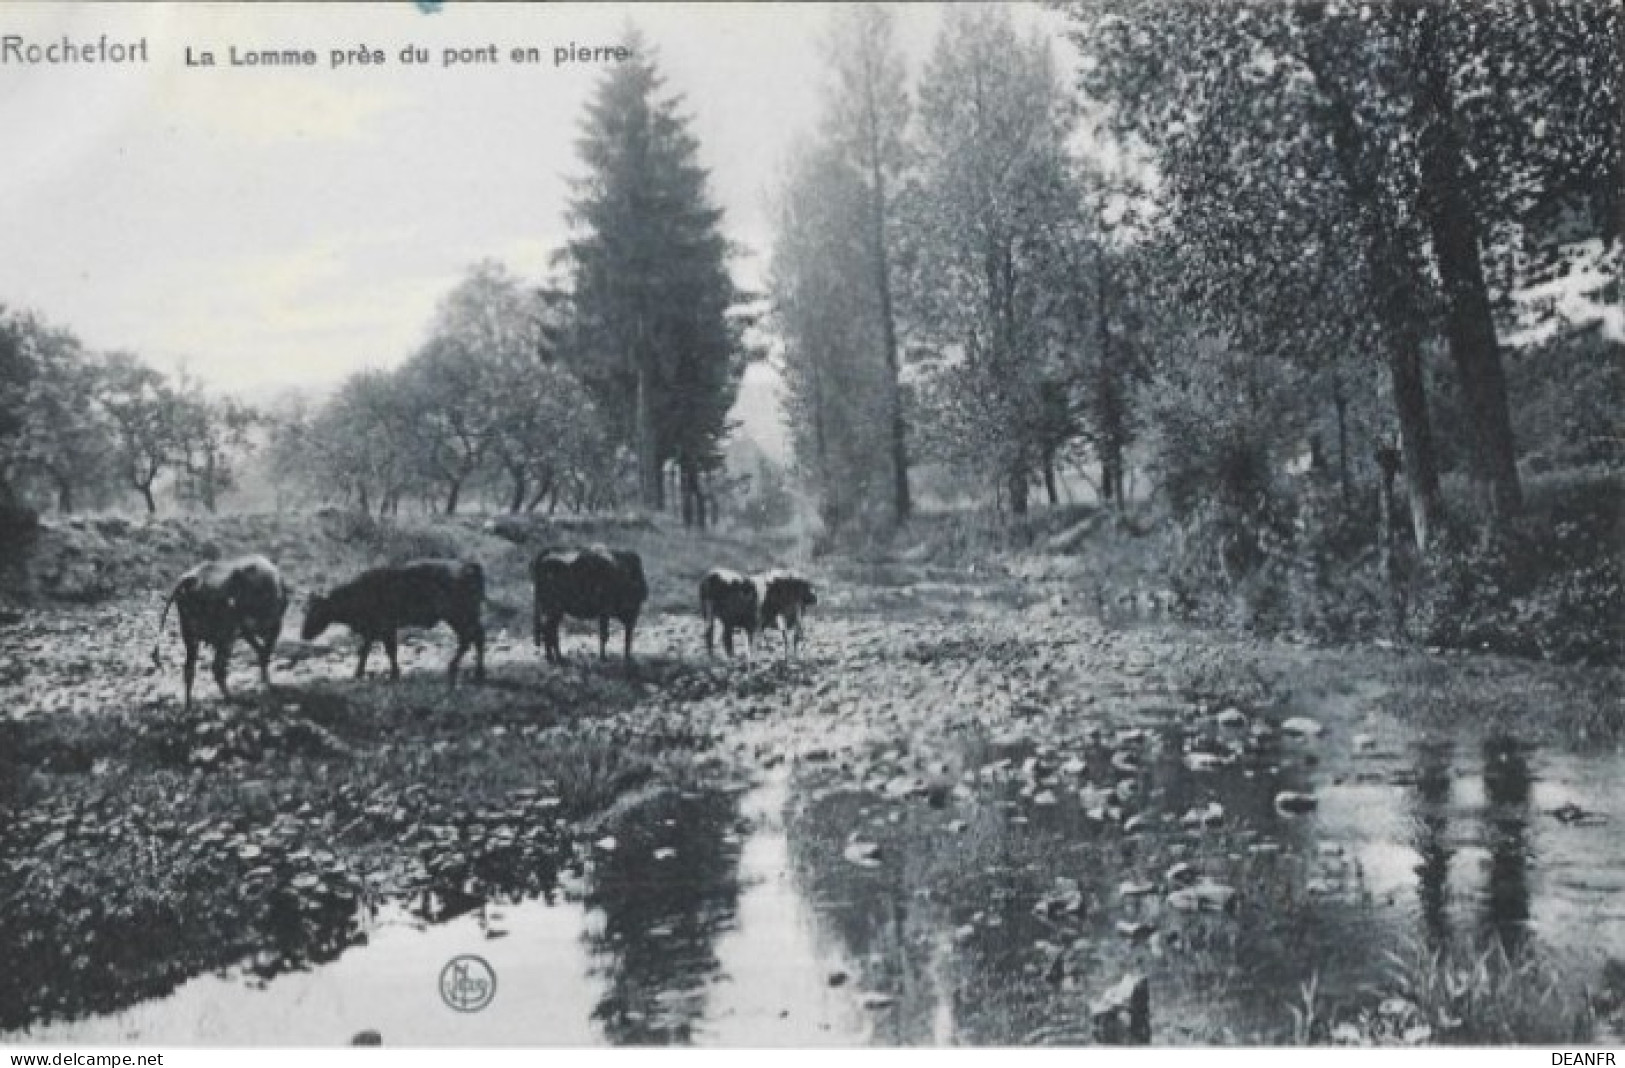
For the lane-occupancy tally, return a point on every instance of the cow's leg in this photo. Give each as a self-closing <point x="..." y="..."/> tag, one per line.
<point x="262" y="654"/>
<point x="222" y="656"/>
<point x="536" y="620"/>
<point x="361" y="662"/>
<point x="711" y="634"/>
<point x="456" y="658"/>
<point x="750" y="645"/>
<point x="389" y="649"/>
<point x="189" y="671"/>
<point x="550" y="636"/>
<point x="728" y="639"/>
<point x="603" y="637"/>
<point x="479" y="652"/>
<point x="629" y="624"/>
<point x="270" y="637"/>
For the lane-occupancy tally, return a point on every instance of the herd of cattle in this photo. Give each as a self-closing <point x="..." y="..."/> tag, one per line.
<point x="220" y="601"/>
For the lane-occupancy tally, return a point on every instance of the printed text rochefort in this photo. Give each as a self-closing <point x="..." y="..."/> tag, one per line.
<point x="17" y="49"/>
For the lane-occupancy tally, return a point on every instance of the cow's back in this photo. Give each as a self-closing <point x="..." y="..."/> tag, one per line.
<point x="244" y="586"/>
<point x="422" y="593"/>
<point x="587" y="583"/>
<point x="730" y="597"/>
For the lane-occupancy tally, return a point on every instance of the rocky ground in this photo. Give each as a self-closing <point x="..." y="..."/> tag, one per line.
<point x="1091" y="809"/>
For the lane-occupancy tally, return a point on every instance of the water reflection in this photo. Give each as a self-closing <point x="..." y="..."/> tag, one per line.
<point x="993" y="908"/>
<point x="961" y="915"/>
<point x="1431" y="805"/>
<point x="656" y="905"/>
<point x="1506" y="821"/>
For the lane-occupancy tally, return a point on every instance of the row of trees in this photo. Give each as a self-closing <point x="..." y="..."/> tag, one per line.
<point x="1245" y="228"/>
<point x="484" y="405"/>
<point x="611" y="385"/>
<point x="951" y="253"/>
<point x="81" y="429"/>
<point x="1347" y="182"/>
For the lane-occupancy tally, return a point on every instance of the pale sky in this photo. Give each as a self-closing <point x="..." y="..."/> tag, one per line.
<point x="272" y="226"/>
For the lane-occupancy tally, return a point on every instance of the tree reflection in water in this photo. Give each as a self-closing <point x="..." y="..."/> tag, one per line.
<point x="1431" y="807"/>
<point x="659" y="914"/>
<point x="1506" y="830"/>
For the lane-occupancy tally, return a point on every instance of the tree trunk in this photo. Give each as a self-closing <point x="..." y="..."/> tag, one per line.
<point x="1016" y="483"/>
<point x="649" y="473"/>
<point x="1415" y="439"/>
<point x="1049" y="479"/>
<point x="1109" y="420"/>
<point x="209" y="468"/>
<point x="685" y="493"/>
<point x="902" y="500"/>
<point x="1393" y="276"/>
<point x="452" y="495"/>
<point x="1111" y="475"/>
<point x="1469" y="325"/>
<point x="64" y="496"/>
<point x="543" y="488"/>
<point x="517" y="500"/>
<point x="146" y="495"/>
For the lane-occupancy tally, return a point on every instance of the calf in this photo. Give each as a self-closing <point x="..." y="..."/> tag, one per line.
<point x="785" y="597"/>
<point x="220" y="600"/>
<point x="593" y="583"/>
<point x="753" y="604"/>
<point x="421" y="593"/>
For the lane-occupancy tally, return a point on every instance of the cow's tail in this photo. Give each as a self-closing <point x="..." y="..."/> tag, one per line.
<point x="157" y="638"/>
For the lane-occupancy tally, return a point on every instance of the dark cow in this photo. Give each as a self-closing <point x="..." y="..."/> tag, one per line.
<point x="592" y="583"/>
<point x="732" y="599"/>
<point x="221" y="600"/>
<point x="786" y="596"/>
<point x="754" y="604"/>
<point x="420" y="593"/>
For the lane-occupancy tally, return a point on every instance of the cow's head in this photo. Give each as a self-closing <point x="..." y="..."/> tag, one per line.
<point x="318" y="616"/>
<point x="785" y="592"/>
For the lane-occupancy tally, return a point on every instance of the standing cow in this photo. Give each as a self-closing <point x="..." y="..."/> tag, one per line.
<point x="593" y="583"/>
<point x="220" y="600"/>
<point x="754" y="604"/>
<point x="421" y="593"/>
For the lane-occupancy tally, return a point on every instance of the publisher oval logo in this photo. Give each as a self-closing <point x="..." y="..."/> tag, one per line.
<point x="467" y="983"/>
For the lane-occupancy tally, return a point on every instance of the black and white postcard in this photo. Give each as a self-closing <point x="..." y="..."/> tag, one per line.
<point x="804" y="525"/>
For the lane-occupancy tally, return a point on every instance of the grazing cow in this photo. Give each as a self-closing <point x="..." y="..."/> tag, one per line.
<point x="592" y="583"/>
<point x="421" y="593"/>
<point x="785" y="597"/>
<point x="732" y="599"/>
<point x="754" y="604"/>
<point x="220" y="600"/>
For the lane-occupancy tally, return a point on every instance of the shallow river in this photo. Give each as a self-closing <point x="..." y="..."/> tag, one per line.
<point x="984" y="895"/>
